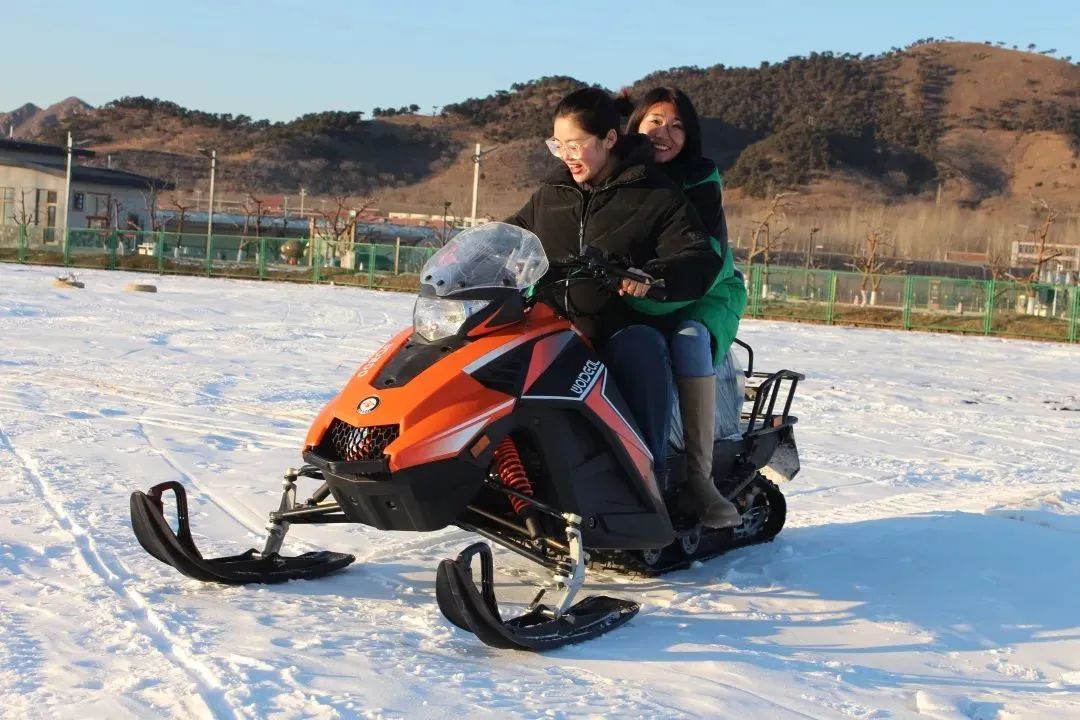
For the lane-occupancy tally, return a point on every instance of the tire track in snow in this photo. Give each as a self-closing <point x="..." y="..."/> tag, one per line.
<point x="110" y="572"/>
<point x="74" y="382"/>
<point x="915" y="503"/>
<point x="193" y="483"/>
<point x="271" y="440"/>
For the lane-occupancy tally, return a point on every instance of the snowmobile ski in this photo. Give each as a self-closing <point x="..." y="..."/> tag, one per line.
<point x="541" y="628"/>
<point x="178" y="549"/>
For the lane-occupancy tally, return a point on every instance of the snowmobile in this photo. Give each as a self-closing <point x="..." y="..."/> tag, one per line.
<point x="493" y="414"/>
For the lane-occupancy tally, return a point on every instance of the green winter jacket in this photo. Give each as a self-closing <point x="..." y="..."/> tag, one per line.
<point x="721" y="308"/>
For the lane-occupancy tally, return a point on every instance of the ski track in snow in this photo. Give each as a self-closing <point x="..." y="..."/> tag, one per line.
<point x="106" y="570"/>
<point x="927" y="570"/>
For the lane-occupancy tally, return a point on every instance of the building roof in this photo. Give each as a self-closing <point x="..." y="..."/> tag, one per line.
<point x="43" y="148"/>
<point x="95" y="175"/>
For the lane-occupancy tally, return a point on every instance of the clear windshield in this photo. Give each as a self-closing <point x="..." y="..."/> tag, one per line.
<point x="489" y="256"/>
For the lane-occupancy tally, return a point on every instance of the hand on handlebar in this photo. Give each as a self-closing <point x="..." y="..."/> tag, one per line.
<point x="615" y="275"/>
<point x="628" y="286"/>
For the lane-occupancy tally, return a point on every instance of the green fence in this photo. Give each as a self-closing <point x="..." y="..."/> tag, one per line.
<point x="373" y="265"/>
<point x="908" y="302"/>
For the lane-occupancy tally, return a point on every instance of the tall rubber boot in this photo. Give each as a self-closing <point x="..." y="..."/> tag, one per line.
<point x="697" y="402"/>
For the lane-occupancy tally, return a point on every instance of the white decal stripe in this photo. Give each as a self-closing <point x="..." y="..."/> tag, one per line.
<point x="472" y="421"/>
<point x="499" y="351"/>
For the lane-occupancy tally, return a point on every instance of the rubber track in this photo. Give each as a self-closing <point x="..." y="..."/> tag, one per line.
<point x="713" y="544"/>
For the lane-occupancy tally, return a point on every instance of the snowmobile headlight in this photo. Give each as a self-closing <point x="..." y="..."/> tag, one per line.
<point x="436" y="318"/>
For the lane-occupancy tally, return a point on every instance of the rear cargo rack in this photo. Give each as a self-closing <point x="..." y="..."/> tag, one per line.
<point x="765" y="396"/>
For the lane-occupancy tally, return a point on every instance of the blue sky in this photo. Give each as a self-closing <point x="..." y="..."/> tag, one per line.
<point x="277" y="59"/>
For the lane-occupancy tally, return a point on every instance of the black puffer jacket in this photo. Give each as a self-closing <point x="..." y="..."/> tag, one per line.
<point x="638" y="216"/>
<point x="700" y="180"/>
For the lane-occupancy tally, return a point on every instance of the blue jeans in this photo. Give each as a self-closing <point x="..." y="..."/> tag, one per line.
<point x="640" y="364"/>
<point x="691" y="350"/>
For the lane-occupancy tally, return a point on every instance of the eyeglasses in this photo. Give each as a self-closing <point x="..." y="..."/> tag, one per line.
<point x="570" y="151"/>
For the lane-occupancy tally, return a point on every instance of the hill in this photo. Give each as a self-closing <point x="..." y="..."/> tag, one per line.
<point x="30" y="121"/>
<point x="967" y="124"/>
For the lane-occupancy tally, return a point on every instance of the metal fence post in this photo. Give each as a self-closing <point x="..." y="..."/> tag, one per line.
<point x="830" y="311"/>
<point x="22" y="244"/>
<point x="371" y="266"/>
<point x="988" y="321"/>
<point x="907" y="302"/>
<point x="316" y="259"/>
<point x="1074" y="315"/>
<point x="111" y="241"/>
<point x="65" y="239"/>
<point x="159" y="251"/>
<point x="262" y="258"/>
<point x="755" y="291"/>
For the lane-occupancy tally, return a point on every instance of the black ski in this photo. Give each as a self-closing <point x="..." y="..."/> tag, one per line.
<point x="178" y="548"/>
<point x="538" y="629"/>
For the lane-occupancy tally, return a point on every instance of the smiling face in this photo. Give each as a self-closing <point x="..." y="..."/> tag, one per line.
<point x="664" y="127"/>
<point x="586" y="156"/>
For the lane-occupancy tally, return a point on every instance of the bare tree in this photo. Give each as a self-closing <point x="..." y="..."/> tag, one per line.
<point x="182" y="208"/>
<point x="871" y="262"/>
<point x="150" y="199"/>
<point x="997" y="262"/>
<point x="252" y="208"/>
<point x="21" y="216"/>
<point x="445" y="231"/>
<point x="335" y="226"/>
<point x="764" y="242"/>
<point x="1038" y="236"/>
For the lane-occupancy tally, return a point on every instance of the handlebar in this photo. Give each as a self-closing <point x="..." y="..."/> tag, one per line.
<point x="594" y="263"/>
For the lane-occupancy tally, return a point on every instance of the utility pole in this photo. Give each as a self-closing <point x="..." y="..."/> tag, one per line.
<point x="212" y="154"/>
<point x="303" y="192"/>
<point x="477" y="156"/>
<point x="71" y="145"/>
<point x="67" y="196"/>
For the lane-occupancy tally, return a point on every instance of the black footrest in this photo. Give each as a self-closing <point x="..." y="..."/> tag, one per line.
<point x="178" y="549"/>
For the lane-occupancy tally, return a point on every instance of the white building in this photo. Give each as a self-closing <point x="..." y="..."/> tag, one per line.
<point x="32" y="178"/>
<point x="1065" y="257"/>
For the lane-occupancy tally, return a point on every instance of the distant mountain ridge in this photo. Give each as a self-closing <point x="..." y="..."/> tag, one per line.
<point x="965" y="123"/>
<point x="30" y="121"/>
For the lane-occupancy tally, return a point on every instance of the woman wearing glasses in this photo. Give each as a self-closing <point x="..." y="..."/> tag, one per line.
<point x="608" y="194"/>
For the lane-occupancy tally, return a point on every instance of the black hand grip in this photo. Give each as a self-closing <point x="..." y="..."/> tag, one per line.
<point x="657" y="291"/>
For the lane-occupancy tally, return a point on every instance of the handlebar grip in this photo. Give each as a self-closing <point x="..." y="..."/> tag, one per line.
<point x="657" y="292"/>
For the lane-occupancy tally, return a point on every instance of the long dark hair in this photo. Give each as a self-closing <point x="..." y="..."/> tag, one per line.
<point x="691" y="124"/>
<point x="593" y="109"/>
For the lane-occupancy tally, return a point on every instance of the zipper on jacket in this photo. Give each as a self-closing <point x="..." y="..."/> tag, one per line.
<point x="585" y="206"/>
<point x="581" y="226"/>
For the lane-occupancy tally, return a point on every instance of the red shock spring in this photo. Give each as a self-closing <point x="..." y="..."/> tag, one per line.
<point x="512" y="473"/>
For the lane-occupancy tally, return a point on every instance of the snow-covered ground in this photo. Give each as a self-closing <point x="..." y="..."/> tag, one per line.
<point x="930" y="567"/>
